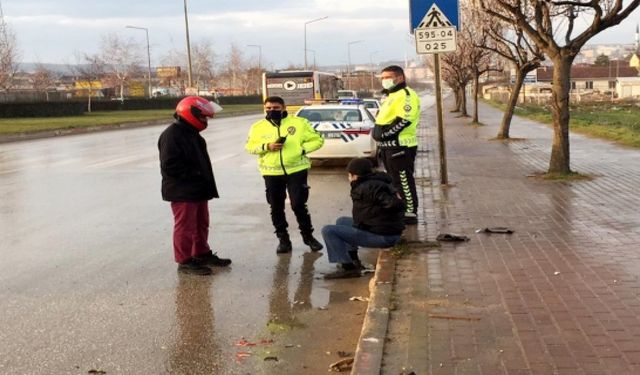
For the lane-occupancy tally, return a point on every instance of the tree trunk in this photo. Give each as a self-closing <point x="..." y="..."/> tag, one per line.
<point x="476" y="85"/>
<point x="456" y="92"/>
<point x="505" y="126"/>
<point x="121" y="91"/>
<point x="89" y="101"/>
<point x="463" y="102"/>
<point x="560" y="162"/>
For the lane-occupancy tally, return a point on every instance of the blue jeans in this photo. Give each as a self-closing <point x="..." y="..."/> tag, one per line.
<point x="343" y="237"/>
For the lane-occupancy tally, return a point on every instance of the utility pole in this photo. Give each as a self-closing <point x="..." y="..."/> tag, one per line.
<point x="186" y="25"/>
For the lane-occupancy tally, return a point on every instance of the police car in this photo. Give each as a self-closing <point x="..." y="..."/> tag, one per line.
<point x="346" y="128"/>
<point x="373" y="105"/>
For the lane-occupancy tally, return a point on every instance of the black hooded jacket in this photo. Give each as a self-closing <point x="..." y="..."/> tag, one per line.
<point x="376" y="206"/>
<point x="185" y="165"/>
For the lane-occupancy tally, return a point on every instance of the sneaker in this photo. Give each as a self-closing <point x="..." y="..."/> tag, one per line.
<point x="410" y="218"/>
<point x="212" y="259"/>
<point x="284" y="246"/>
<point x="343" y="274"/>
<point x="194" y="267"/>
<point x="310" y="241"/>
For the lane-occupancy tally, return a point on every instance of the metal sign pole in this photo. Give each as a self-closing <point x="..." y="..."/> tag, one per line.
<point x="435" y="33"/>
<point x="441" y="145"/>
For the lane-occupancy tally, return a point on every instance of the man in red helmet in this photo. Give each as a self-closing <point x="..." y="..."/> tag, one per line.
<point x="188" y="183"/>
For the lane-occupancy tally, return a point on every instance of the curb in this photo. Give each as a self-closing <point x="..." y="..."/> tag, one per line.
<point x="368" y="357"/>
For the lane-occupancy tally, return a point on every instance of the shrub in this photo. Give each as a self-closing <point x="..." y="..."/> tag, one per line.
<point x="42" y="109"/>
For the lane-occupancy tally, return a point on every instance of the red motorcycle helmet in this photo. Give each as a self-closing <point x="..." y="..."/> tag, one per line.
<point x="195" y="110"/>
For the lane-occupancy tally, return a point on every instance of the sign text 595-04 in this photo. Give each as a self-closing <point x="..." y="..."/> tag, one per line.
<point x="435" y="40"/>
<point x="436" y="34"/>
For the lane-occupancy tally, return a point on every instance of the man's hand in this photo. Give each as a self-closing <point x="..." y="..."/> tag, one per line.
<point x="275" y="146"/>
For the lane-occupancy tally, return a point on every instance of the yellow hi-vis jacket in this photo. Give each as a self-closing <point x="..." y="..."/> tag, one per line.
<point x="397" y="119"/>
<point x="302" y="139"/>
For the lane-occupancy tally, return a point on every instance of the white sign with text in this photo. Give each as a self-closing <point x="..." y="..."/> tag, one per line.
<point x="435" y="40"/>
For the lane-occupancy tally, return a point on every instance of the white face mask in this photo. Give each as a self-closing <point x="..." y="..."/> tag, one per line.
<point x="388" y="83"/>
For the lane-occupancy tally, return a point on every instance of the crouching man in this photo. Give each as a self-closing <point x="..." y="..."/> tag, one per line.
<point x="377" y="220"/>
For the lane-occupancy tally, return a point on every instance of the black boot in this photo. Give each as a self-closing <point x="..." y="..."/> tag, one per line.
<point x="194" y="267"/>
<point x="310" y="241"/>
<point x="212" y="259"/>
<point x="356" y="260"/>
<point x="285" y="243"/>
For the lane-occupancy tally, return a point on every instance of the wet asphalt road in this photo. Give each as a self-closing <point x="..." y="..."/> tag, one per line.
<point x="87" y="279"/>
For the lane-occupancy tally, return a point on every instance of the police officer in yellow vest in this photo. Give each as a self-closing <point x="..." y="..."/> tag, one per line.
<point x="396" y="133"/>
<point x="282" y="143"/>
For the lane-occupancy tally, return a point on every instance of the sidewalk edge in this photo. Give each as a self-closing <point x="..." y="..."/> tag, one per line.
<point x="368" y="356"/>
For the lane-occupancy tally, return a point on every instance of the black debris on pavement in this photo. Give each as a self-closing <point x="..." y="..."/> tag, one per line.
<point x="448" y="237"/>
<point x="504" y="230"/>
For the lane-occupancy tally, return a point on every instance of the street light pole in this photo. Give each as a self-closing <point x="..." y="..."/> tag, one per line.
<point x="372" y="70"/>
<point x="314" y="58"/>
<point x="186" y="26"/>
<point x="148" y="54"/>
<point x="305" y="37"/>
<point x="349" y="61"/>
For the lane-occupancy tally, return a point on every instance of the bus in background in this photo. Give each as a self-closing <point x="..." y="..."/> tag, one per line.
<point x="298" y="86"/>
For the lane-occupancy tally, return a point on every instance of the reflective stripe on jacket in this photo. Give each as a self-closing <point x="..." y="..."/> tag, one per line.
<point x="397" y="120"/>
<point x="302" y="139"/>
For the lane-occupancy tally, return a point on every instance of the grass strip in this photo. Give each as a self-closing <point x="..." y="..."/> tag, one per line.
<point x="616" y="122"/>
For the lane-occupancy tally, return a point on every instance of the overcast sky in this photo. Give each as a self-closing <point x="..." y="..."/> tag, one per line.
<point x="54" y="31"/>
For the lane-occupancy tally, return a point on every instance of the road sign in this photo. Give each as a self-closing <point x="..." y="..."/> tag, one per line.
<point x="531" y="77"/>
<point x="436" y="40"/>
<point x="419" y="10"/>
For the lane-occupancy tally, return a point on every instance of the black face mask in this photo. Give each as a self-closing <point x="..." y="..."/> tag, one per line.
<point x="276" y="115"/>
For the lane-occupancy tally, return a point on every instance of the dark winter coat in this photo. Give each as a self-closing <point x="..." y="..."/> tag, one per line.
<point x="185" y="165"/>
<point x="376" y="206"/>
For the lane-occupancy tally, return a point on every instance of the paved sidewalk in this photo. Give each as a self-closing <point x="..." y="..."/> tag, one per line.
<point x="561" y="295"/>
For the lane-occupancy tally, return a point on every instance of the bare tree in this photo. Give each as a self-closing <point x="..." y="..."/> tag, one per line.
<point x="234" y="72"/>
<point x="43" y="79"/>
<point x="9" y="54"/>
<point x="456" y="73"/>
<point x="123" y="59"/>
<point x="254" y="79"/>
<point x="203" y="58"/>
<point x="479" y="60"/>
<point x="553" y="25"/>
<point x="510" y="42"/>
<point x="89" y="70"/>
<point x="174" y="57"/>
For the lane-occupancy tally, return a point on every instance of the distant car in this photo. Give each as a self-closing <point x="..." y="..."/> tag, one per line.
<point x="373" y="105"/>
<point x="346" y="129"/>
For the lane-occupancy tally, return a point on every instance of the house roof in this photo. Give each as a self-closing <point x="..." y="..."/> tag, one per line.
<point x="545" y="73"/>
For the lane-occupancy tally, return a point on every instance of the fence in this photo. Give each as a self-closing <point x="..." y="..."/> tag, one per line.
<point x="77" y="106"/>
<point x="545" y="98"/>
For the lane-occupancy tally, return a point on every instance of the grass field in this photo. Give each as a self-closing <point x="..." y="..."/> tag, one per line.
<point x="27" y="125"/>
<point x="615" y="122"/>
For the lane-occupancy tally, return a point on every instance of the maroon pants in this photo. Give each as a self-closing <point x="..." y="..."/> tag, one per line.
<point x="190" y="229"/>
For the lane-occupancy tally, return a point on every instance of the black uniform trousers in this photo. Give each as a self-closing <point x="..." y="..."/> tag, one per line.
<point x="296" y="185"/>
<point x="400" y="165"/>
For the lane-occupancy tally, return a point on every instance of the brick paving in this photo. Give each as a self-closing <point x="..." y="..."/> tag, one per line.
<point x="561" y="295"/>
